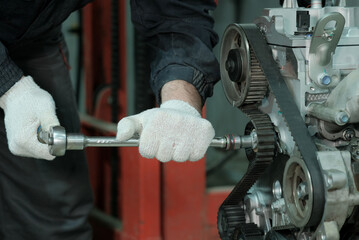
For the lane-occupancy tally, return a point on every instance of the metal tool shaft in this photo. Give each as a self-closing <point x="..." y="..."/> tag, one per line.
<point x="59" y="141"/>
<point x="79" y="141"/>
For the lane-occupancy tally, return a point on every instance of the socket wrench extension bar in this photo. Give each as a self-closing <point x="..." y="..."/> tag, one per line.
<point x="59" y="141"/>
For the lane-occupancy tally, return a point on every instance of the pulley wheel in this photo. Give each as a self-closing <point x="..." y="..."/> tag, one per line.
<point x="235" y="64"/>
<point x="298" y="191"/>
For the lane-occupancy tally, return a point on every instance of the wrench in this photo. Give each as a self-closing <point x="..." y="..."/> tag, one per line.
<point x="59" y="141"/>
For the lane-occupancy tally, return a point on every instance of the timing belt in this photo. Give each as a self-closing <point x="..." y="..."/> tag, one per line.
<point x="263" y="155"/>
<point x="230" y="214"/>
<point x="292" y="116"/>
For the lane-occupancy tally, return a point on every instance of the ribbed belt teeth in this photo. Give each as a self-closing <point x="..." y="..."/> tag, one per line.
<point x="263" y="155"/>
<point x="248" y="231"/>
<point x="264" y="152"/>
<point x="258" y="84"/>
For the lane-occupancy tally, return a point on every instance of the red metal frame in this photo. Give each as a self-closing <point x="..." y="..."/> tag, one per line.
<point x="156" y="201"/>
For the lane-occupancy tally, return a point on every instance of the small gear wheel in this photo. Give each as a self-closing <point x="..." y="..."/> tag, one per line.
<point x="242" y="76"/>
<point x="228" y="218"/>
<point x="247" y="231"/>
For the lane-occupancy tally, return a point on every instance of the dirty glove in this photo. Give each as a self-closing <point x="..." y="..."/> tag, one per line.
<point x="26" y="107"/>
<point x="175" y="131"/>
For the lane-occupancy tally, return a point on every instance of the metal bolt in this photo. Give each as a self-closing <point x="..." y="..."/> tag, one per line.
<point x="325" y="80"/>
<point x="348" y="134"/>
<point x="328" y="36"/>
<point x="302" y="190"/>
<point x="341" y="118"/>
<point x="344" y="118"/>
<point x="328" y="180"/>
<point x="263" y="28"/>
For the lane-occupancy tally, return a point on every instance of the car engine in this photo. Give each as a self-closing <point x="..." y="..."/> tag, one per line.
<point x="294" y="73"/>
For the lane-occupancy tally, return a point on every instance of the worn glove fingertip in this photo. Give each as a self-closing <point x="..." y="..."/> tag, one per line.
<point x="148" y="149"/>
<point x="165" y="151"/>
<point x="125" y="129"/>
<point x="181" y="154"/>
<point x="197" y="155"/>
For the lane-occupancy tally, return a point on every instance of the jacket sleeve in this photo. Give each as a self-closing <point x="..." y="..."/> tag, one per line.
<point x="9" y="72"/>
<point x="181" y="36"/>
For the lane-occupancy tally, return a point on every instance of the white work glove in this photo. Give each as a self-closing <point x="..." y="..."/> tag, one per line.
<point x="27" y="107"/>
<point x="175" y="131"/>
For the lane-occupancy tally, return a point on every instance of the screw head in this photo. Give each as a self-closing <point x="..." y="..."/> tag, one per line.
<point x="302" y="190"/>
<point x="349" y="134"/>
<point x="344" y="118"/>
<point x="326" y="80"/>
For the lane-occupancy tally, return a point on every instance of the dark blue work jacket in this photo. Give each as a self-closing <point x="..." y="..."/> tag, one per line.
<point x="179" y="32"/>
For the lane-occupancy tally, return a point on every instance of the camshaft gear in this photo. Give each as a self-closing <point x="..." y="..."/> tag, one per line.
<point x="242" y="76"/>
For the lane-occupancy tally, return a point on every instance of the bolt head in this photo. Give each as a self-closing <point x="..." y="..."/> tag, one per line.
<point x="326" y="80"/>
<point x="344" y="118"/>
<point x="349" y="134"/>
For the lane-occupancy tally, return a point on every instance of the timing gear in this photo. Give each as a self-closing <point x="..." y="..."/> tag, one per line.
<point x="247" y="231"/>
<point x="228" y="218"/>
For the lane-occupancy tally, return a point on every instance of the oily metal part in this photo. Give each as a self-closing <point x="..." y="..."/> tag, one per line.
<point x="292" y="115"/>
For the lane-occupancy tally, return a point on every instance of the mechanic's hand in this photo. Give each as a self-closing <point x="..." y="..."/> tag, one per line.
<point x="175" y="131"/>
<point x="27" y="107"/>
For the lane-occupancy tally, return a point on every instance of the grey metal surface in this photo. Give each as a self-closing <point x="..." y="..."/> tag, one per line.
<point x="322" y="47"/>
